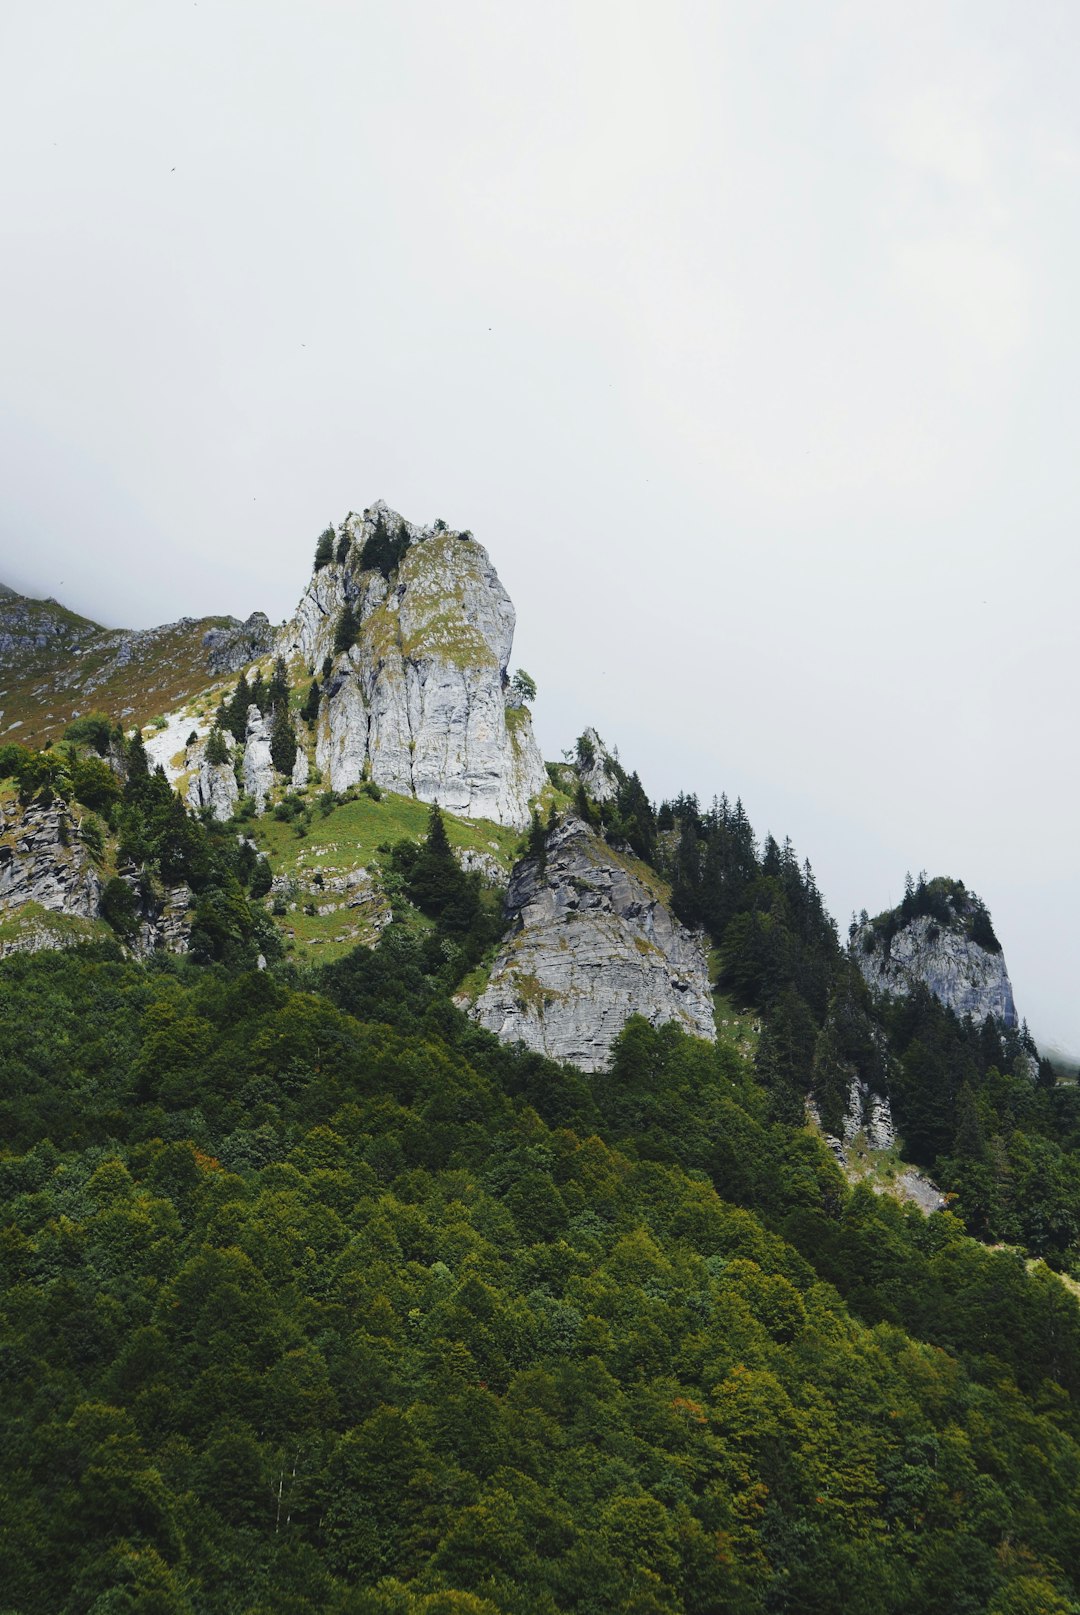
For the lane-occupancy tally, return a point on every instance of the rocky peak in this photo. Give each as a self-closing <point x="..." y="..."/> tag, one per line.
<point x="410" y="631"/>
<point x="940" y="935"/>
<point x="591" y="942"/>
<point x="598" y="768"/>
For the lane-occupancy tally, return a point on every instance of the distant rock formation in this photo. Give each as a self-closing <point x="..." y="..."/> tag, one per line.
<point x="941" y="935"/>
<point x="591" y="942"/>
<point x="410" y="631"/>
<point x="598" y="769"/>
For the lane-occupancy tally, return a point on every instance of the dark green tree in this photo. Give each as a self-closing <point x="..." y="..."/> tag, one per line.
<point x="346" y="629"/>
<point x="324" y="549"/>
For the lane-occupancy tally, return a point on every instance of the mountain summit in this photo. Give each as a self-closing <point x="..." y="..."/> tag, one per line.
<point x="412" y="632"/>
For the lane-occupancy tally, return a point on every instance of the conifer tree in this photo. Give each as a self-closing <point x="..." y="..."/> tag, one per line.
<point x="346" y="630"/>
<point x="235" y="720"/>
<point x="324" y="549"/>
<point x="283" y="746"/>
<point x="216" y="749"/>
<point x="277" y="692"/>
<point x="310" y="709"/>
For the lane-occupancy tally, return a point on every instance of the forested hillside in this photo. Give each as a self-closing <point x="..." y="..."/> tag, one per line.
<point x="316" y="1298"/>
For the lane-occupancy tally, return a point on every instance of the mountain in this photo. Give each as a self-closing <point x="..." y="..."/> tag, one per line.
<point x="940" y="935"/>
<point x="56" y="666"/>
<point x="436" y="1183"/>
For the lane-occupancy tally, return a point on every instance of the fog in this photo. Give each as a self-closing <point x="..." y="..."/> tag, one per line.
<point x="744" y="337"/>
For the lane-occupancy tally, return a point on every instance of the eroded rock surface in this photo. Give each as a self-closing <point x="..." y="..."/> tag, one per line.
<point x="591" y="943"/>
<point x="969" y="978"/>
<point x="43" y="861"/>
<point x="418" y="702"/>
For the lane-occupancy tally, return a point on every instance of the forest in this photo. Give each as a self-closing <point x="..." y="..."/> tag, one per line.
<point x="317" y="1298"/>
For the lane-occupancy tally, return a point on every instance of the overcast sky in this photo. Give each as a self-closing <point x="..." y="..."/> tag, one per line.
<point x="744" y="336"/>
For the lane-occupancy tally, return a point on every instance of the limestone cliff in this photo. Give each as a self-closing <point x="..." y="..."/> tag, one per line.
<point x="940" y="935"/>
<point x="418" y="701"/>
<point x="591" y="942"/>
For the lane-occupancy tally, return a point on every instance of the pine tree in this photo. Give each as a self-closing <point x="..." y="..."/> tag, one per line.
<point x="236" y="712"/>
<point x="216" y="750"/>
<point x="343" y="548"/>
<point x="258" y="693"/>
<point x="310" y="709"/>
<point x="346" y="631"/>
<point x="324" y="549"/>
<point x="283" y="746"/>
<point x="277" y="692"/>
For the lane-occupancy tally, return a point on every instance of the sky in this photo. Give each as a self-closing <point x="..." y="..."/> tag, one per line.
<point x="744" y="336"/>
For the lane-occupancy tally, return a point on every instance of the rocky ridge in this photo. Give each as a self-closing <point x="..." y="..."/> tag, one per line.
<point x="590" y="943"/>
<point x="966" y="971"/>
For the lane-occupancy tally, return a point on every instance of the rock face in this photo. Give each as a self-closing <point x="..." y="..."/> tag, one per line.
<point x="590" y="944"/>
<point x="418" y="702"/>
<point x="43" y="861"/>
<point x="597" y="768"/>
<point x="258" y="764"/>
<point x="214" y="786"/>
<point x="952" y="950"/>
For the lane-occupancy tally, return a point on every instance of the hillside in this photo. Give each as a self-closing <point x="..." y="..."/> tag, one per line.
<point x="437" y="1184"/>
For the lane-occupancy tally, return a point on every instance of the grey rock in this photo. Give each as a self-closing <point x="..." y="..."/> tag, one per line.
<point x="418" y="703"/>
<point x="214" y="786"/>
<point x="967" y="978"/>
<point x="37" y="867"/>
<point x="230" y="648"/>
<point x="600" y="777"/>
<point x="258" y="764"/>
<point x="590" y="943"/>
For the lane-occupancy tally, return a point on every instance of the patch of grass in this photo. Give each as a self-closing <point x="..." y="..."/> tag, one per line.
<point x="60" y="930"/>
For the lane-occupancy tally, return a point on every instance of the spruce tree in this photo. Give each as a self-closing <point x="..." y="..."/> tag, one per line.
<point x="324" y="549"/>
<point x="310" y="709"/>
<point x="216" y="750"/>
<point x="237" y="710"/>
<point x="283" y="747"/>
<point x="346" y="630"/>
<point x="277" y="692"/>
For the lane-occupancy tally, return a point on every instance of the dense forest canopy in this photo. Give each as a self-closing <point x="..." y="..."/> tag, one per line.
<point x="316" y="1297"/>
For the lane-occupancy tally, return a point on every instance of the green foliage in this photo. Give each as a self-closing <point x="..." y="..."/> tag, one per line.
<point x="324" y="549"/>
<point x="119" y="907"/>
<point x="95" y="729"/>
<point x="310" y="709"/>
<point x="232" y="714"/>
<point x="216" y="750"/>
<point x="346" y="629"/>
<point x="523" y="687"/>
<point x="283" y="745"/>
<point x="383" y="550"/>
<point x="332" y="1302"/>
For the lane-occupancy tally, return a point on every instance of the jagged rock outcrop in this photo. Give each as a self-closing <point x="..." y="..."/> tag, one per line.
<point x="234" y="645"/>
<point x="44" y="861"/>
<point x="598" y="769"/>
<point x="942" y="937"/>
<point x="258" y="763"/>
<point x="418" y="701"/>
<point x="213" y="786"/>
<point x="591" y="943"/>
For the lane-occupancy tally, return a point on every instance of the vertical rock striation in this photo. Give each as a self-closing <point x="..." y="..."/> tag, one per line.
<point x="418" y="700"/>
